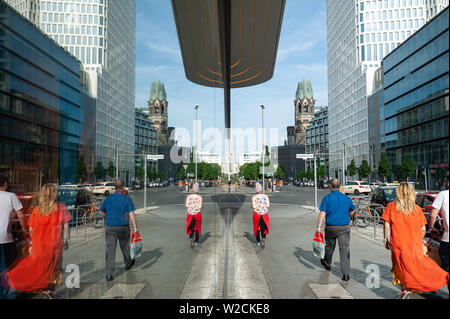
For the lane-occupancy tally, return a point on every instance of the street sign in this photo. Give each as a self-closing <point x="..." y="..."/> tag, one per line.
<point x="155" y="157"/>
<point x="305" y="156"/>
<point x="190" y="174"/>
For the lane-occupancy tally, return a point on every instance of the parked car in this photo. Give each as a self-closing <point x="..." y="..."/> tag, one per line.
<point x="105" y="188"/>
<point x="425" y="201"/>
<point x="74" y="197"/>
<point x="89" y="187"/>
<point x="383" y="195"/>
<point x="357" y="187"/>
<point x="374" y="185"/>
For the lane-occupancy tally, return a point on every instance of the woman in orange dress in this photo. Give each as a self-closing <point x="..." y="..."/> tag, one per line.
<point x="40" y="270"/>
<point x="411" y="268"/>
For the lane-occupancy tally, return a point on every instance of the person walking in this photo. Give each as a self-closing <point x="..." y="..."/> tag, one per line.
<point x="41" y="270"/>
<point x="9" y="204"/>
<point x="260" y="205"/>
<point x="441" y="203"/>
<point x="119" y="210"/>
<point x="194" y="203"/>
<point x="411" y="268"/>
<point x="336" y="209"/>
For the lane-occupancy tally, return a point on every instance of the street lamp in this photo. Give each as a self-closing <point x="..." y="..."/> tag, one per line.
<point x="263" y="142"/>
<point x="196" y="111"/>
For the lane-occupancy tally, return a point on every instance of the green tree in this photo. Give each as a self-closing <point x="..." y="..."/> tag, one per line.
<point x="310" y="173"/>
<point x="280" y="173"/>
<point x="111" y="170"/>
<point x="351" y="169"/>
<point x="162" y="175"/>
<point x="364" y="170"/>
<point x="99" y="171"/>
<point x="384" y="167"/>
<point x="181" y="174"/>
<point x="140" y="172"/>
<point x="81" y="171"/>
<point x="322" y="171"/>
<point x="408" y="167"/>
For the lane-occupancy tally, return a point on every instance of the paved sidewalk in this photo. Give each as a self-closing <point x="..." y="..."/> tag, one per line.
<point x="285" y="269"/>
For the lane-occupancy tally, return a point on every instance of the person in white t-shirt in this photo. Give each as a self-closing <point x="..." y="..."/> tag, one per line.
<point x="441" y="204"/>
<point x="9" y="203"/>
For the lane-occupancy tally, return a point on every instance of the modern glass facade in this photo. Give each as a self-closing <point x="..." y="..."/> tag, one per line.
<point x="101" y="34"/>
<point x="145" y="137"/>
<point x="317" y="135"/>
<point x="416" y="94"/>
<point x="42" y="106"/>
<point x="359" y="35"/>
<point x="375" y="107"/>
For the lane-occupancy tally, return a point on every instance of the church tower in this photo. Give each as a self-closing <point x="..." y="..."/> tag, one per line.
<point x="158" y="112"/>
<point x="304" y="110"/>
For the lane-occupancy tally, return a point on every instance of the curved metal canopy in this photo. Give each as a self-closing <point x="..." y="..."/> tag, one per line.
<point x="253" y="28"/>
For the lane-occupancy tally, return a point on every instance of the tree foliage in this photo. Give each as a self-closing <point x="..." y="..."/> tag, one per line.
<point x="81" y="171"/>
<point x="280" y="173"/>
<point x="351" y="169"/>
<point x="408" y="167"/>
<point x="384" y="167"/>
<point x="99" y="170"/>
<point x="364" y="169"/>
<point x="111" y="170"/>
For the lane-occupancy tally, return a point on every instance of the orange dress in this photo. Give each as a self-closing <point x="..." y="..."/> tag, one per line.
<point x="410" y="266"/>
<point x="42" y="267"/>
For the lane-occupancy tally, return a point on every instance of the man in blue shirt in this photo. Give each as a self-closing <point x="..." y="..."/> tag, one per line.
<point x="336" y="209"/>
<point x="118" y="209"/>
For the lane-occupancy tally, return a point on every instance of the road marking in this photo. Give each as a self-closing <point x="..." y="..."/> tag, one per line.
<point x="329" y="291"/>
<point x="123" y="291"/>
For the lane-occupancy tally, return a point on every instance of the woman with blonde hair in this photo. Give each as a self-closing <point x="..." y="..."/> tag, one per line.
<point x="40" y="271"/>
<point x="411" y="268"/>
<point x="194" y="215"/>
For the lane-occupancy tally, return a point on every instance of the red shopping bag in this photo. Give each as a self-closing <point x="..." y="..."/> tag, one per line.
<point x="319" y="245"/>
<point x="135" y="245"/>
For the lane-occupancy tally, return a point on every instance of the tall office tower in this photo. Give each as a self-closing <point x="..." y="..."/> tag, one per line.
<point x="28" y="8"/>
<point x="434" y="7"/>
<point x="359" y="35"/>
<point x="101" y="34"/>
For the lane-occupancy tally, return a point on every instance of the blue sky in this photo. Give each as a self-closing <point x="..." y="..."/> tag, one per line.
<point x="301" y="54"/>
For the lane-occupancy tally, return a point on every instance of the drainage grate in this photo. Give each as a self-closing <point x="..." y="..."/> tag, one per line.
<point x="330" y="291"/>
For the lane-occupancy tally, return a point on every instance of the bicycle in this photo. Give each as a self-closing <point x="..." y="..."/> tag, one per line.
<point x="365" y="216"/>
<point x="91" y="214"/>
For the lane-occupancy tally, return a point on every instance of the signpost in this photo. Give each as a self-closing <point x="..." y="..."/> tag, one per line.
<point x="146" y="158"/>
<point x="311" y="156"/>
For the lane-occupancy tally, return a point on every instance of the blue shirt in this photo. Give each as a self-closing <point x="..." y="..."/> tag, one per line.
<point x="117" y="207"/>
<point x="337" y="206"/>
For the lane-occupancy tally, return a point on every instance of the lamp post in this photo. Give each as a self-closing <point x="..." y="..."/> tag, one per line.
<point x="196" y="111"/>
<point x="263" y="142"/>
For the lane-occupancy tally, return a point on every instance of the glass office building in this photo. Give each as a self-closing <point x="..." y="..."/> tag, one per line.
<point x="42" y="106"/>
<point x="317" y="136"/>
<point x="359" y="35"/>
<point x="416" y="102"/>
